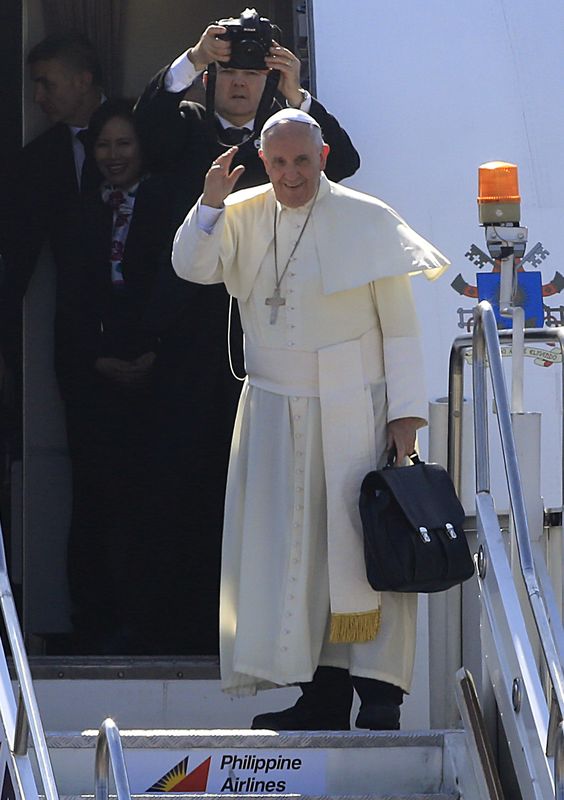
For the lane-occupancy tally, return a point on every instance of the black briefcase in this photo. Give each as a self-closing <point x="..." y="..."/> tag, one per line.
<point x="412" y="523"/>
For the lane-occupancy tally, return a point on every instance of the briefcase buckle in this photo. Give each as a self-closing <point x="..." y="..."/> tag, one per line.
<point x="424" y="534"/>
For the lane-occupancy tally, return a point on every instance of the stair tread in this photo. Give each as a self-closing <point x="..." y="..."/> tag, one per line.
<point x="376" y="760"/>
<point x="195" y="796"/>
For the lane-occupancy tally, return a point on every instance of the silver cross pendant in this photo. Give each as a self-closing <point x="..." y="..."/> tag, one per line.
<point x="275" y="302"/>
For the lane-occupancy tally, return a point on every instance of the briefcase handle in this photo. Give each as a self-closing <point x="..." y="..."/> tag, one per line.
<point x="392" y="455"/>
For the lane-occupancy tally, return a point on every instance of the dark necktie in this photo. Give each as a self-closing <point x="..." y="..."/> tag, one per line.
<point x="90" y="175"/>
<point x="234" y="135"/>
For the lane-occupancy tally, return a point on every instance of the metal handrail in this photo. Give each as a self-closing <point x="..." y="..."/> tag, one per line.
<point x="109" y="751"/>
<point x="461" y="346"/>
<point x="559" y="764"/>
<point x="486" y="340"/>
<point x="28" y="717"/>
<point x="480" y="747"/>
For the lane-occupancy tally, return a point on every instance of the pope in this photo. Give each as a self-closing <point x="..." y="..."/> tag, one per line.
<point x="334" y="380"/>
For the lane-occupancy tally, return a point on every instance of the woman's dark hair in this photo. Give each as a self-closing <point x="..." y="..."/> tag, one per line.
<point x="123" y="109"/>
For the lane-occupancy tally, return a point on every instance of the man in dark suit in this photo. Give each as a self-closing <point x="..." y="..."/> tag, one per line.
<point x="49" y="173"/>
<point x="45" y="182"/>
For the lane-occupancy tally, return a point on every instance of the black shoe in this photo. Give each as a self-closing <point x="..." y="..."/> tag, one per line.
<point x="379" y="704"/>
<point x="301" y="717"/>
<point x="379" y="718"/>
<point x="325" y="705"/>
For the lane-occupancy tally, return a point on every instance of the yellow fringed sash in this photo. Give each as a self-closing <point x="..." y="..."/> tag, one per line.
<point x="353" y="628"/>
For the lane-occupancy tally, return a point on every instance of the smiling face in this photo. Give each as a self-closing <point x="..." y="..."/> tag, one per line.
<point x="60" y="91"/>
<point x="118" y="153"/>
<point x="294" y="156"/>
<point x="238" y="93"/>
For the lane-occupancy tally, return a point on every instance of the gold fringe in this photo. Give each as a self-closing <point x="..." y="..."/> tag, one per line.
<point x="358" y="627"/>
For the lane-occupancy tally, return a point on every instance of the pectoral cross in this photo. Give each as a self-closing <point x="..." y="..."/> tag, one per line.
<point x="275" y="302"/>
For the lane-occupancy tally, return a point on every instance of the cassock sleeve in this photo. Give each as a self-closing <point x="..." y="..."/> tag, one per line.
<point x="200" y="256"/>
<point x="403" y="355"/>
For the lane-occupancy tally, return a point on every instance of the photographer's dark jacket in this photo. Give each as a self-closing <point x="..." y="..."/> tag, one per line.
<point x="182" y="141"/>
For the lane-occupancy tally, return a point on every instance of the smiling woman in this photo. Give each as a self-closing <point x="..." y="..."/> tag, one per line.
<point x="117" y="151"/>
<point x="108" y="360"/>
<point x="117" y="144"/>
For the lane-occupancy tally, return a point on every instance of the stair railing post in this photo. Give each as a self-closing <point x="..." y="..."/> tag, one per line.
<point x="559" y="763"/>
<point x="21" y="733"/>
<point x="109" y="750"/>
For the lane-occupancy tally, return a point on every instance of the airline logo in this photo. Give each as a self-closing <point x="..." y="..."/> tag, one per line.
<point x="240" y="772"/>
<point x="178" y="779"/>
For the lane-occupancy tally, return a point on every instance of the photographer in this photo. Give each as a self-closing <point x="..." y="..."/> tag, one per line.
<point x="197" y="393"/>
<point x="183" y="141"/>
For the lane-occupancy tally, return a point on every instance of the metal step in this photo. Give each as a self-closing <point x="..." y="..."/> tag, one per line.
<point x="374" y="765"/>
<point x="193" y="796"/>
<point x="144" y="692"/>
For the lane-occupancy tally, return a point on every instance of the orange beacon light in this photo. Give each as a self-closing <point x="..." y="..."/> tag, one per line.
<point x="499" y="201"/>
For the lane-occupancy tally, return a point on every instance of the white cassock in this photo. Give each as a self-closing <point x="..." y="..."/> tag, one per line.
<point x="342" y="359"/>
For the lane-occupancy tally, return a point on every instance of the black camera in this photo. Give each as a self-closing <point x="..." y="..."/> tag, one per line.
<point x="251" y="40"/>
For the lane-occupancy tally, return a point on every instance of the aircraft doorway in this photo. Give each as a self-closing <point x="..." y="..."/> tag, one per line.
<point x="150" y="36"/>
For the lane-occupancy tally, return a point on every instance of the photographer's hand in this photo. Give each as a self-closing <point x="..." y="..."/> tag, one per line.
<point x="209" y="48"/>
<point x="288" y="65"/>
<point x="219" y="181"/>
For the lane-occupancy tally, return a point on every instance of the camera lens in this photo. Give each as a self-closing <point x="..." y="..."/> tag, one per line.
<point x="250" y="48"/>
<point x="249" y="53"/>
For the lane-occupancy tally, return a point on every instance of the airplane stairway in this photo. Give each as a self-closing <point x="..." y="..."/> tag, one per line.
<point x="522" y="643"/>
<point x="420" y="766"/>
